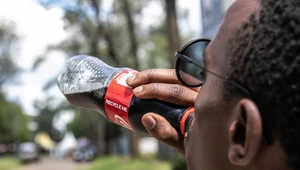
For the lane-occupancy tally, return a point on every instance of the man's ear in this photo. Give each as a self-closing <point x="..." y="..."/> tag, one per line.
<point x="245" y="133"/>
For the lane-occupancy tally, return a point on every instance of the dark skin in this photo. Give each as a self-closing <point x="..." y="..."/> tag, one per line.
<point x="225" y="134"/>
<point x="162" y="84"/>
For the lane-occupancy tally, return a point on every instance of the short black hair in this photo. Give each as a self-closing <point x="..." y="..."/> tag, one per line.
<point x="266" y="60"/>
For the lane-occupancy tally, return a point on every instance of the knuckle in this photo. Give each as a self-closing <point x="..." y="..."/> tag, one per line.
<point x="155" y="88"/>
<point x="149" y="74"/>
<point x="175" y="91"/>
<point x="173" y="73"/>
<point x="164" y="133"/>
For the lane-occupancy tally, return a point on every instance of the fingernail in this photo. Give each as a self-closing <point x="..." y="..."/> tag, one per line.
<point x="138" y="89"/>
<point x="149" y="122"/>
<point x="131" y="78"/>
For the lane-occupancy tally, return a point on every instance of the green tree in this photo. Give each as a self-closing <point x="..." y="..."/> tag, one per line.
<point x="13" y="122"/>
<point x="172" y="27"/>
<point x="81" y="127"/>
<point x="94" y="33"/>
<point x="46" y="115"/>
<point x="9" y="44"/>
<point x="115" y="36"/>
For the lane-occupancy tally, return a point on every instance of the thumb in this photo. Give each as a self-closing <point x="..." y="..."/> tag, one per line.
<point x="162" y="130"/>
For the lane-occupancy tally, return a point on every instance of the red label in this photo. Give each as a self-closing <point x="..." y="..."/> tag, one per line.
<point x="118" y="97"/>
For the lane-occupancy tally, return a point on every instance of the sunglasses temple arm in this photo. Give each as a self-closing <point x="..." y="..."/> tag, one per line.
<point x="185" y="58"/>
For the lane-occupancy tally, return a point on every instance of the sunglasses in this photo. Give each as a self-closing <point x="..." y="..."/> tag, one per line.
<point x="191" y="72"/>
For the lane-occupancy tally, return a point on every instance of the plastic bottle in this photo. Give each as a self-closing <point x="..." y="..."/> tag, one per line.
<point x="88" y="82"/>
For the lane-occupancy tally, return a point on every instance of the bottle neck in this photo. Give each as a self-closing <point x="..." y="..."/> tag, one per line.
<point x="186" y="120"/>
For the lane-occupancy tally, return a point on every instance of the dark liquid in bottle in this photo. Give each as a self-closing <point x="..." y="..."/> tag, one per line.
<point x="89" y="100"/>
<point x="138" y="107"/>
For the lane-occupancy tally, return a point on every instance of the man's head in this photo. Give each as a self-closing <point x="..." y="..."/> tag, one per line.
<point x="256" y="46"/>
<point x="271" y="70"/>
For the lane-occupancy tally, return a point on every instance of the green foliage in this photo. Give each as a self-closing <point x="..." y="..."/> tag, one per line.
<point x="46" y="116"/>
<point x="178" y="163"/>
<point x="117" y="37"/>
<point x="80" y="126"/>
<point x="9" y="44"/>
<point x="13" y="122"/>
<point x="9" y="163"/>
<point x="117" y="163"/>
<point x="157" y="50"/>
<point x="105" y="34"/>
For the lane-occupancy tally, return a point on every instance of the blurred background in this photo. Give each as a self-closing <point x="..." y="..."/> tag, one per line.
<point x="39" y="129"/>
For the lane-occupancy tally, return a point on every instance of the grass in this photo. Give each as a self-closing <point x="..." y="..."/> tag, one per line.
<point x="117" y="163"/>
<point x="9" y="163"/>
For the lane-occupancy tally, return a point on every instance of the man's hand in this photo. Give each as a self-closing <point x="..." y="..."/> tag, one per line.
<point x="162" y="84"/>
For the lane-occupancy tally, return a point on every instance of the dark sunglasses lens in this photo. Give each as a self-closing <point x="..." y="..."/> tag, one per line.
<point x="190" y="73"/>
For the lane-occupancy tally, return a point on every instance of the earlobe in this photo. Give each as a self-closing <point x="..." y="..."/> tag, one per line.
<point x="245" y="133"/>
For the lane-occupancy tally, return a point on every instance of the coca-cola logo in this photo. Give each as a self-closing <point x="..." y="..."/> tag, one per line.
<point x="119" y="120"/>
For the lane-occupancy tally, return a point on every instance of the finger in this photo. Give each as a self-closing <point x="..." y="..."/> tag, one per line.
<point x="172" y="93"/>
<point x="161" y="129"/>
<point x="153" y="75"/>
<point x="167" y="76"/>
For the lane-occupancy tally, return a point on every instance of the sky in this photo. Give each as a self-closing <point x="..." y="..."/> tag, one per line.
<point x="39" y="28"/>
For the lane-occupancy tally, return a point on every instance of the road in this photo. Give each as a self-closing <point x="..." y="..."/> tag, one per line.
<point x="55" y="164"/>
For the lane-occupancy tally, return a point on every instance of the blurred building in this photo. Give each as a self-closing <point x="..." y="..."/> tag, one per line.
<point x="212" y="12"/>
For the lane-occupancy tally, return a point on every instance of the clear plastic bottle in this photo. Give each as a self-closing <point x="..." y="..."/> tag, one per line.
<point x="88" y="82"/>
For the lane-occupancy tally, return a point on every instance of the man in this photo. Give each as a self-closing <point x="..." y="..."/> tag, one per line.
<point x="247" y="113"/>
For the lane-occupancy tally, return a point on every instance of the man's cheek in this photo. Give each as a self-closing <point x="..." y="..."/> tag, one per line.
<point x="189" y="140"/>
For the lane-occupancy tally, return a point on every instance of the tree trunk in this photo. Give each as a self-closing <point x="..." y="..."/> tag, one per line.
<point x="165" y="152"/>
<point x="134" y="144"/>
<point x="134" y="149"/>
<point x="132" y="36"/>
<point x="96" y="131"/>
<point x="102" y="30"/>
<point x="102" y="134"/>
<point x="111" y="48"/>
<point x="173" y="35"/>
